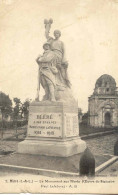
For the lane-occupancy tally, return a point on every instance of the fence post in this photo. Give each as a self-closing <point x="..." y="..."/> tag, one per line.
<point x="87" y="164"/>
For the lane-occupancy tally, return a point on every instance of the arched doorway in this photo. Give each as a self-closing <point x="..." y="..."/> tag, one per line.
<point x="107" y="119"/>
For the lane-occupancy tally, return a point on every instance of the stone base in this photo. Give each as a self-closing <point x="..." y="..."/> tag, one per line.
<point x="52" y="148"/>
<point x="52" y="130"/>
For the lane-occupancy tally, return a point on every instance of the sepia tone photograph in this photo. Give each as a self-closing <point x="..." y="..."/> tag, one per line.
<point x="59" y="96"/>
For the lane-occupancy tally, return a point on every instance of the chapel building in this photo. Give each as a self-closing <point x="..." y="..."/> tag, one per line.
<point x="103" y="103"/>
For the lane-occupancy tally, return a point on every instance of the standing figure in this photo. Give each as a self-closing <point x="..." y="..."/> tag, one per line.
<point x="57" y="47"/>
<point x="47" y="72"/>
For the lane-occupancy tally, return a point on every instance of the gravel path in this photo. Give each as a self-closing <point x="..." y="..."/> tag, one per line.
<point x="103" y="144"/>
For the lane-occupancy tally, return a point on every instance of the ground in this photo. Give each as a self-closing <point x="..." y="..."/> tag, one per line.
<point x="101" y="147"/>
<point x="103" y="144"/>
<point x="111" y="170"/>
<point x="84" y="129"/>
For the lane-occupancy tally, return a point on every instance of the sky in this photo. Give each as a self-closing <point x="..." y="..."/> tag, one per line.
<point x="89" y="31"/>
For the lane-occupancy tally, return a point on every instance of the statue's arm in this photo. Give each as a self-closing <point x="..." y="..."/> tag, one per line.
<point x="47" y="30"/>
<point x="46" y="58"/>
<point x="40" y="59"/>
<point x="37" y="60"/>
<point x="47" y="35"/>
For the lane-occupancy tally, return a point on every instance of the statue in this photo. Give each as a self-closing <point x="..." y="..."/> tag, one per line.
<point x="53" y="122"/>
<point x="57" y="47"/>
<point x="47" y="71"/>
<point x="53" y="66"/>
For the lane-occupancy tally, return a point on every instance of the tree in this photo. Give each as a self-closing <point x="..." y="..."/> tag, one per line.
<point x="17" y="107"/>
<point x="17" y="101"/>
<point x="21" y="109"/>
<point x="25" y="109"/>
<point x="5" y="105"/>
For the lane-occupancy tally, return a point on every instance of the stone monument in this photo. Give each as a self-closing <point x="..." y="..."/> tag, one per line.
<point x="53" y="122"/>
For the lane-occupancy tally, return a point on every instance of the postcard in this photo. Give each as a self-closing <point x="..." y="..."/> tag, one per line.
<point x="59" y="96"/>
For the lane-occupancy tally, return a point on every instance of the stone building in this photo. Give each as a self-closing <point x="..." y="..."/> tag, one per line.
<point x="103" y="103"/>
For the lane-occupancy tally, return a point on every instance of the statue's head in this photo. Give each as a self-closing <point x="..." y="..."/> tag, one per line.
<point x="46" y="46"/>
<point x="57" y="34"/>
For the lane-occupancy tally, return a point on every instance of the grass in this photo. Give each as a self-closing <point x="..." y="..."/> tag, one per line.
<point x="84" y="129"/>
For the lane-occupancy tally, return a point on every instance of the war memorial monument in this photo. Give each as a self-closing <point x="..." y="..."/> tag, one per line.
<point x="53" y="128"/>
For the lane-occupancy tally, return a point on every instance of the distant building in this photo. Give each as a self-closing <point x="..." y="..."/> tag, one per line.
<point x="85" y="118"/>
<point x="80" y="115"/>
<point x="103" y="103"/>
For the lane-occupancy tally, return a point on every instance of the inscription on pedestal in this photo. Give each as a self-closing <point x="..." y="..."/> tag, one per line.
<point x="71" y="125"/>
<point x="45" y="125"/>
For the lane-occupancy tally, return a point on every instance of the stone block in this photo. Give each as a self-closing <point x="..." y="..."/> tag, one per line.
<point x="52" y="130"/>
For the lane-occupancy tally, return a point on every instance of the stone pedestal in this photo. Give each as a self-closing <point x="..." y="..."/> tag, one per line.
<point x="53" y="130"/>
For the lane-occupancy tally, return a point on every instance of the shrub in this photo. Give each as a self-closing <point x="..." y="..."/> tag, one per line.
<point x="12" y="124"/>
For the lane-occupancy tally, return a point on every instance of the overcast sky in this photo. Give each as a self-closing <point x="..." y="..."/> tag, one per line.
<point x="89" y="31"/>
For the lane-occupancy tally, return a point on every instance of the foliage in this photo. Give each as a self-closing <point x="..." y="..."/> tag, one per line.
<point x="11" y="124"/>
<point x="25" y="109"/>
<point x="5" y="104"/>
<point x="85" y="129"/>
<point x="16" y="109"/>
<point x="17" y="101"/>
<point x="21" y="109"/>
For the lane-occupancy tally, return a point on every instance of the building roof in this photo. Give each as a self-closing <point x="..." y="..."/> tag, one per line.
<point x="104" y="80"/>
<point x="105" y="85"/>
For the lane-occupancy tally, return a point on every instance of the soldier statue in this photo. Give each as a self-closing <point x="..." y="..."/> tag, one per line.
<point x="52" y="65"/>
